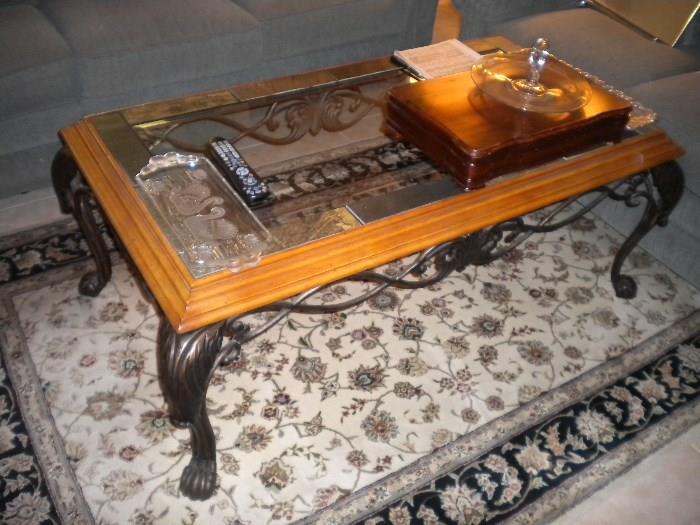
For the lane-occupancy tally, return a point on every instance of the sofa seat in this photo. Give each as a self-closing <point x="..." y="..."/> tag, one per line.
<point x="600" y="45"/>
<point x="677" y="101"/>
<point x="38" y="73"/>
<point x="62" y="59"/>
<point x="132" y="46"/>
<point x="304" y="35"/>
<point x="38" y="85"/>
<point x="327" y="21"/>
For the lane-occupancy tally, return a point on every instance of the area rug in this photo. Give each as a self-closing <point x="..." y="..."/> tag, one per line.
<point x="503" y="394"/>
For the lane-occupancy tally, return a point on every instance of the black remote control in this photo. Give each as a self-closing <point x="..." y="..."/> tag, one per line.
<point x="237" y="171"/>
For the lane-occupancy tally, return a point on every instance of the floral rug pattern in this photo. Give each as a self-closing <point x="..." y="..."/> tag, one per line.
<point x="24" y="496"/>
<point x="29" y="253"/>
<point x="327" y="417"/>
<point x="527" y="466"/>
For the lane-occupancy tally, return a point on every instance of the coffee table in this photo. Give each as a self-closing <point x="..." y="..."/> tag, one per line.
<point x="318" y="242"/>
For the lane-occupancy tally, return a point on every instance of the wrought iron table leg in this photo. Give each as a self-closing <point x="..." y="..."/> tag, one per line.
<point x="92" y="282"/>
<point x="76" y="198"/>
<point x="670" y="183"/>
<point x="63" y="171"/>
<point x="667" y="179"/>
<point x="185" y="364"/>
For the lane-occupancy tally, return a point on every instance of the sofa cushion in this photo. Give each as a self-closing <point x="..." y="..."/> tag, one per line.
<point x="34" y="165"/>
<point x="126" y="45"/>
<point x="600" y="45"/>
<point x="38" y="73"/>
<point x="677" y="245"/>
<point x="294" y="27"/>
<point x="264" y="9"/>
<point x="676" y="100"/>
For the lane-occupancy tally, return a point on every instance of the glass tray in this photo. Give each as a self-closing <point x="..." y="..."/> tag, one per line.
<point x="209" y="225"/>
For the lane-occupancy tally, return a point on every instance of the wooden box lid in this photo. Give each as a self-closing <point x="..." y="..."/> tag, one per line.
<point x="477" y="138"/>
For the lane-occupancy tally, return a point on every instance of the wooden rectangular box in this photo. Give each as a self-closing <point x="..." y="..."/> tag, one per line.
<point x="476" y="138"/>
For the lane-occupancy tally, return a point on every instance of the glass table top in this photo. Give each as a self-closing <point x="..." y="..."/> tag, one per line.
<point x="304" y="135"/>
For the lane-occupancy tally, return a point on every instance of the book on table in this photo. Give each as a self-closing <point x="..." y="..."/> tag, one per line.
<point x="438" y="60"/>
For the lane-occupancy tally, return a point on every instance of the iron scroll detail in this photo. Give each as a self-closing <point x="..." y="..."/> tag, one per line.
<point x="660" y="189"/>
<point x="283" y="122"/>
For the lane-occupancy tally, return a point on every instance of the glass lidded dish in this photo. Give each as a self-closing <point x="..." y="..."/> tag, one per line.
<point x="532" y="80"/>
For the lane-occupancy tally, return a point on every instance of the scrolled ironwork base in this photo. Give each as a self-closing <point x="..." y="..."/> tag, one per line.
<point x="284" y="121"/>
<point x="75" y="197"/>
<point x="660" y="189"/>
<point x="63" y="171"/>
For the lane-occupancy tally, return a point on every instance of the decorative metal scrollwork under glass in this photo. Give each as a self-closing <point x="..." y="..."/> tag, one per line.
<point x="282" y="122"/>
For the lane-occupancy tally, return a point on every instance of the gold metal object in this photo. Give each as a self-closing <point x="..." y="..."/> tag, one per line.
<point x="659" y="18"/>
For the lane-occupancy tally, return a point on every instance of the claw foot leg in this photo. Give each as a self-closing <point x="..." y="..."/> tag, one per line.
<point x="198" y="480"/>
<point x="185" y="363"/>
<point x="63" y="171"/>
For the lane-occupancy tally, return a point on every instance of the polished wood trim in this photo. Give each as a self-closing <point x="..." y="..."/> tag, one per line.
<point x="192" y="303"/>
<point x="367" y="68"/>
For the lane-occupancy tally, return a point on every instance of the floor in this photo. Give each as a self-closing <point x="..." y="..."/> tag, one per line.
<point x="662" y="489"/>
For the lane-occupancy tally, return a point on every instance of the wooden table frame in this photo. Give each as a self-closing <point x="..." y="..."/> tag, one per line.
<point x="199" y="313"/>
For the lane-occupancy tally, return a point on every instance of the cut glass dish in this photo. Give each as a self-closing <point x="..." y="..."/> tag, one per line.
<point x="206" y="221"/>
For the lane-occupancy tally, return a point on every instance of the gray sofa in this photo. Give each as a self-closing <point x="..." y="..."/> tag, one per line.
<point x="664" y="78"/>
<point x="62" y="59"/>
